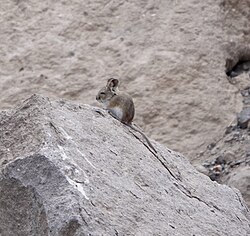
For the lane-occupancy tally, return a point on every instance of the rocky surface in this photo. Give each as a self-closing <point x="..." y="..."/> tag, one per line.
<point x="228" y="159"/>
<point x="172" y="56"/>
<point x="69" y="169"/>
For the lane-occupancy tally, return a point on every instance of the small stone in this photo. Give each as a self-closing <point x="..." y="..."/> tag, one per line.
<point x="217" y="169"/>
<point x="243" y="118"/>
<point x="5" y="162"/>
<point x="229" y="157"/>
<point x="220" y="160"/>
<point x="211" y="146"/>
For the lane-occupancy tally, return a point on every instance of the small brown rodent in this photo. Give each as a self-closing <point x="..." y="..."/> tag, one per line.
<point x="120" y="105"/>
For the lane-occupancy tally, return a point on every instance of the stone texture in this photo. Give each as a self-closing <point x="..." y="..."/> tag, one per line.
<point x="240" y="179"/>
<point x="228" y="159"/>
<point x="243" y="118"/>
<point x="69" y="169"/>
<point x="170" y="55"/>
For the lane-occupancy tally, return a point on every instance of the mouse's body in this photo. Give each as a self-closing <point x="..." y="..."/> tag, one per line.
<point x="119" y="105"/>
<point x="114" y="106"/>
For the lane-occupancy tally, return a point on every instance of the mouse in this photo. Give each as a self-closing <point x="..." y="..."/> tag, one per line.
<point x="120" y="105"/>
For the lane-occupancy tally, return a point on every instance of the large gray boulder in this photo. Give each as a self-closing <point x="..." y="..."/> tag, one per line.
<point x="70" y="169"/>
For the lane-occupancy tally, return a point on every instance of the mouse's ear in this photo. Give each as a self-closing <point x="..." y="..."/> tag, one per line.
<point x="112" y="83"/>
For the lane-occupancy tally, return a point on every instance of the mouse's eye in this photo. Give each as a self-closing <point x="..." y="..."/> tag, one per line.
<point x="102" y="93"/>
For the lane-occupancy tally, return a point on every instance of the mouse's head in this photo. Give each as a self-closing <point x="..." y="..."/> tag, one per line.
<point x="106" y="93"/>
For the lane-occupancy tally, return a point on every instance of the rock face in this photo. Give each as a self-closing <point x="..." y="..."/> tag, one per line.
<point x="73" y="170"/>
<point x="228" y="159"/>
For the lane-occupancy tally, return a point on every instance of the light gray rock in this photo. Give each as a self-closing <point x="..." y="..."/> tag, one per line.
<point x="73" y="170"/>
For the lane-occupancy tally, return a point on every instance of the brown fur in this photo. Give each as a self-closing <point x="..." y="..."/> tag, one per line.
<point x="119" y="105"/>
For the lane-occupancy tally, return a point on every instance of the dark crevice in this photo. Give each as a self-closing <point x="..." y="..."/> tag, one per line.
<point x="239" y="68"/>
<point x="141" y="141"/>
<point x="238" y="62"/>
<point x="189" y="194"/>
<point x="165" y="166"/>
<point x="134" y="195"/>
<point x="240" y="200"/>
